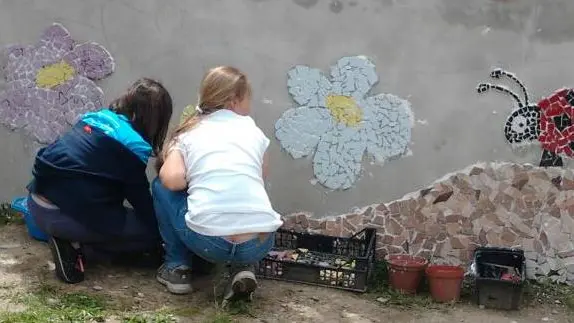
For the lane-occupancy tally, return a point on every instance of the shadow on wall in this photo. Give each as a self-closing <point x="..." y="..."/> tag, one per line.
<point x="544" y="20"/>
<point x="492" y="204"/>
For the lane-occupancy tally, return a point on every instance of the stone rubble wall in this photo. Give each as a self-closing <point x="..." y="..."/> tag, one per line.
<point x="486" y="204"/>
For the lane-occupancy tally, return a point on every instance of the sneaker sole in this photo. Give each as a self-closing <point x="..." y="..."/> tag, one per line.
<point x="59" y="263"/>
<point x="178" y="289"/>
<point x="244" y="285"/>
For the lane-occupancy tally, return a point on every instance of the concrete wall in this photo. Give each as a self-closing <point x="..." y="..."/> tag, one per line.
<point x="432" y="53"/>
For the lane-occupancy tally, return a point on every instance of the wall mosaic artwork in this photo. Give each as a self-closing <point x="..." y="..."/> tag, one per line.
<point x="336" y="120"/>
<point x="50" y="83"/>
<point x="549" y="121"/>
<point x="486" y="204"/>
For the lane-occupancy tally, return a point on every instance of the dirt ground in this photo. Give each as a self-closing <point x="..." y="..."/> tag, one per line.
<point x="25" y="263"/>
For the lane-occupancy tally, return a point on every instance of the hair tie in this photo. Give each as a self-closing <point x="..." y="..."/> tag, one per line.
<point x="198" y="109"/>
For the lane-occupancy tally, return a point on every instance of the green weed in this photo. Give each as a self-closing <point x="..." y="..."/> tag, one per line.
<point x="48" y="304"/>
<point x="158" y="317"/>
<point x="220" y="317"/>
<point x="550" y="293"/>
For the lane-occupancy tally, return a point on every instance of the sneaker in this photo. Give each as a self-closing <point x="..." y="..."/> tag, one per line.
<point x="241" y="285"/>
<point x="68" y="259"/>
<point x="177" y="280"/>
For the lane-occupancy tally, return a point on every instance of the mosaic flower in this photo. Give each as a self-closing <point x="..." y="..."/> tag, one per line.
<point x="338" y="121"/>
<point x="49" y="84"/>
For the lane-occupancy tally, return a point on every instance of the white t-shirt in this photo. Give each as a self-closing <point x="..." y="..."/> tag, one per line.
<point x="224" y="158"/>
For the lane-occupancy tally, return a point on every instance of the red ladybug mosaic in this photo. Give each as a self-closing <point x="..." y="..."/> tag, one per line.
<point x="549" y="121"/>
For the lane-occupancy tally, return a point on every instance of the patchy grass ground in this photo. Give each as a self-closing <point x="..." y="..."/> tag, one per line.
<point x="30" y="293"/>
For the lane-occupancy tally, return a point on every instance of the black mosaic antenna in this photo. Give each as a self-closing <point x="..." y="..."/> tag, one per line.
<point x="483" y="87"/>
<point x="498" y="73"/>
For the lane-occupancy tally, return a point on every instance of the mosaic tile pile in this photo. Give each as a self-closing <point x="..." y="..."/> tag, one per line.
<point x="494" y="204"/>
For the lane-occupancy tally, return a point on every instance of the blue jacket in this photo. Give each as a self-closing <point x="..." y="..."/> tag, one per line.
<point x="92" y="169"/>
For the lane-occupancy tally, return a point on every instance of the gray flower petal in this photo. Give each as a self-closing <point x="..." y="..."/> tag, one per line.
<point x="353" y="76"/>
<point x="337" y="161"/>
<point x="388" y="123"/>
<point x="300" y="129"/>
<point x="308" y="86"/>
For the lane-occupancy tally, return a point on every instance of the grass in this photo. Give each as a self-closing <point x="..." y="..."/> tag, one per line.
<point x="240" y="308"/>
<point x="170" y="315"/>
<point x="220" y="317"/>
<point x="158" y="317"/>
<point x="49" y="303"/>
<point x="549" y="293"/>
<point x="9" y="216"/>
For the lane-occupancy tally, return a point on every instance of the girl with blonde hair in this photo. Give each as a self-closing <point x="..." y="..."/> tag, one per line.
<point x="210" y="197"/>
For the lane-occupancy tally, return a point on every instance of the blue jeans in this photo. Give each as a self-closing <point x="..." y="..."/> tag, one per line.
<point x="181" y="242"/>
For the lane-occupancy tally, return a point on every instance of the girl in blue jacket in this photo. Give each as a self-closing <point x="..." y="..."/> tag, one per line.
<point x="82" y="180"/>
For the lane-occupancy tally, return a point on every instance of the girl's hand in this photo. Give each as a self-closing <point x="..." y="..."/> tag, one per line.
<point x="172" y="172"/>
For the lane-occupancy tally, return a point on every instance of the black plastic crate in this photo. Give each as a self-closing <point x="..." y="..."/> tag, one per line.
<point x="343" y="263"/>
<point x="491" y="264"/>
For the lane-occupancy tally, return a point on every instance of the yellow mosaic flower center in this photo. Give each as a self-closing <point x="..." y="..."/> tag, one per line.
<point x="55" y="74"/>
<point x="344" y="109"/>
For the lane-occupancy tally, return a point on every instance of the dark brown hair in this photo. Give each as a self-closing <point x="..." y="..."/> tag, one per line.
<point x="148" y="106"/>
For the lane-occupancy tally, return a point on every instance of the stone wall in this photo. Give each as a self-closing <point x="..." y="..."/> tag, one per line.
<point x="487" y="204"/>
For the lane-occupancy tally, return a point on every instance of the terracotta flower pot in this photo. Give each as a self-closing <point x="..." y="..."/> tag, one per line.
<point x="445" y="282"/>
<point x="405" y="272"/>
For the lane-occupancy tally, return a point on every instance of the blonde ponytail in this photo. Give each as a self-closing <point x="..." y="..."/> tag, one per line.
<point x="220" y="86"/>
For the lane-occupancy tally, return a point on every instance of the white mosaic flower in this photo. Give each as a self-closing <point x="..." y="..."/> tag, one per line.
<point x="339" y="122"/>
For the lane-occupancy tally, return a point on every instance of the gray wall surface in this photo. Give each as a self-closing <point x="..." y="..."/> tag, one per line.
<point x="430" y="52"/>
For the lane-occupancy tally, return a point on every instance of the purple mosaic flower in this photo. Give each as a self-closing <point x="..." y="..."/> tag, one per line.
<point x="50" y="83"/>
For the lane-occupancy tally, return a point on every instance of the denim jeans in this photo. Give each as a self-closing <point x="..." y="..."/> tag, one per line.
<point x="181" y="242"/>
